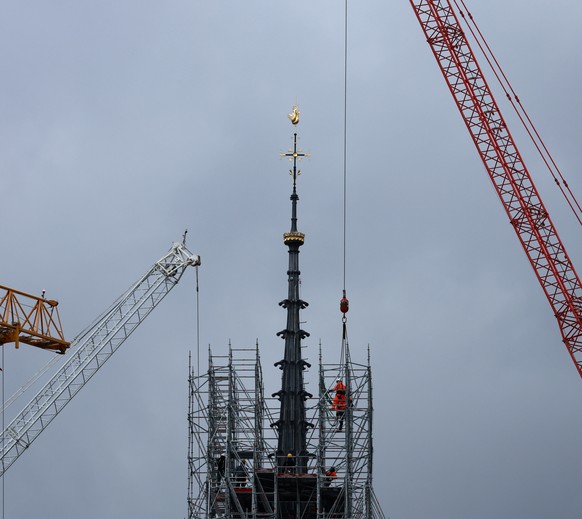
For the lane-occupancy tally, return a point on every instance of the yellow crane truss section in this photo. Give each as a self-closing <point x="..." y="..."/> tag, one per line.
<point x="31" y="320"/>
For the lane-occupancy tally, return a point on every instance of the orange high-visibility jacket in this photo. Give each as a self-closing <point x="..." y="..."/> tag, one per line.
<point x="339" y="402"/>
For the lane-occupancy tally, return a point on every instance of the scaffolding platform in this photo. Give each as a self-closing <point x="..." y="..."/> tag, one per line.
<point x="230" y="417"/>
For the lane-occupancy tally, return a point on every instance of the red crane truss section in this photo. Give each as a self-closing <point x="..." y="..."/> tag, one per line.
<point x="503" y="162"/>
<point x="31" y="320"/>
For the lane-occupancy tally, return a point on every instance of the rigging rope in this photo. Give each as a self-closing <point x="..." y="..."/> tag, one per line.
<point x="197" y="325"/>
<point x="344" y="303"/>
<point x="7" y="403"/>
<point x="519" y="109"/>
<point x="345" y="140"/>
<point x="184" y="237"/>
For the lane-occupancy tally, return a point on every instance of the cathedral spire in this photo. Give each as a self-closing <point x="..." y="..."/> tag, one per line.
<point x="292" y="424"/>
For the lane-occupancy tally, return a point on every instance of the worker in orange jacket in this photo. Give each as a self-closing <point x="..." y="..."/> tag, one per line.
<point x="330" y="476"/>
<point x="340" y="403"/>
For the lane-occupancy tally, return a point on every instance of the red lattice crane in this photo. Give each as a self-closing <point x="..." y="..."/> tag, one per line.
<point x="505" y="166"/>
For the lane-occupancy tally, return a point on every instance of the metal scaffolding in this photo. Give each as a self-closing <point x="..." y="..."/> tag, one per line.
<point x="228" y="441"/>
<point x="233" y="470"/>
<point x="345" y="441"/>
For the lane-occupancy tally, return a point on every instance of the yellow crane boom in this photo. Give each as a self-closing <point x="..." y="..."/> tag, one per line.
<point x="31" y="320"/>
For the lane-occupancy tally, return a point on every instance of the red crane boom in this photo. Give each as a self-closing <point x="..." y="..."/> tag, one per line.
<point x="505" y="167"/>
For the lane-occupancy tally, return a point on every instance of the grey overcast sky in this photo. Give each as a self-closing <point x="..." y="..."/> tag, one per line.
<point x="124" y="122"/>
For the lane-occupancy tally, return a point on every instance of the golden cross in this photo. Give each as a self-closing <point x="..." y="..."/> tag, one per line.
<point x="295" y="155"/>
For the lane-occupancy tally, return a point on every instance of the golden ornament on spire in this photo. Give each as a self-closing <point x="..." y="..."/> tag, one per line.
<point x="294" y="115"/>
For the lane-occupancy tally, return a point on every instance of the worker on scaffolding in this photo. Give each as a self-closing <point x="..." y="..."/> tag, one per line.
<point x="220" y="468"/>
<point x="330" y="476"/>
<point x="289" y="463"/>
<point x="340" y="403"/>
<point x="240" y="474"/>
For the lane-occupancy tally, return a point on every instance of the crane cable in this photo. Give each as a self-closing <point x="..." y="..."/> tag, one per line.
<point x="521" y="112"/>
<point x="345" y="140"/>
<point x="197" y="290"/>
<point x="197" y="325"/>
<point x="6" y="403"/>
<point x="344" y="303"/>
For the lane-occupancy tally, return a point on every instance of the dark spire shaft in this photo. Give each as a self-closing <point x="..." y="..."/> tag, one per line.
<point x="294" y="197"/>
<point x="292" y="424"/>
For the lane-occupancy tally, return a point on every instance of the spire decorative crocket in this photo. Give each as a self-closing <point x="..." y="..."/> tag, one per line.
<point x="292" y="424"/>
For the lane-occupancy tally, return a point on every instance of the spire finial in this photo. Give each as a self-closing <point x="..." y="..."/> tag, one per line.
<point x="294" y="115"/>
<point x="294" y="154"/>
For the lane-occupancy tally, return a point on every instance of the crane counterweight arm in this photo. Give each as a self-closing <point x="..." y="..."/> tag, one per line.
<point x="92" y="349"/>
<point x="511" y="179"/>
<point x="31" y="320"/>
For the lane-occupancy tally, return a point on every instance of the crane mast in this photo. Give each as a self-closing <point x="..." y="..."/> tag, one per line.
<point x="503" y="162"/>
<point x="92" y="348"/>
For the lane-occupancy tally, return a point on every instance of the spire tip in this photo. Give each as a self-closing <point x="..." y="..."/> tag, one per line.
<point x="294" y="115"/>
